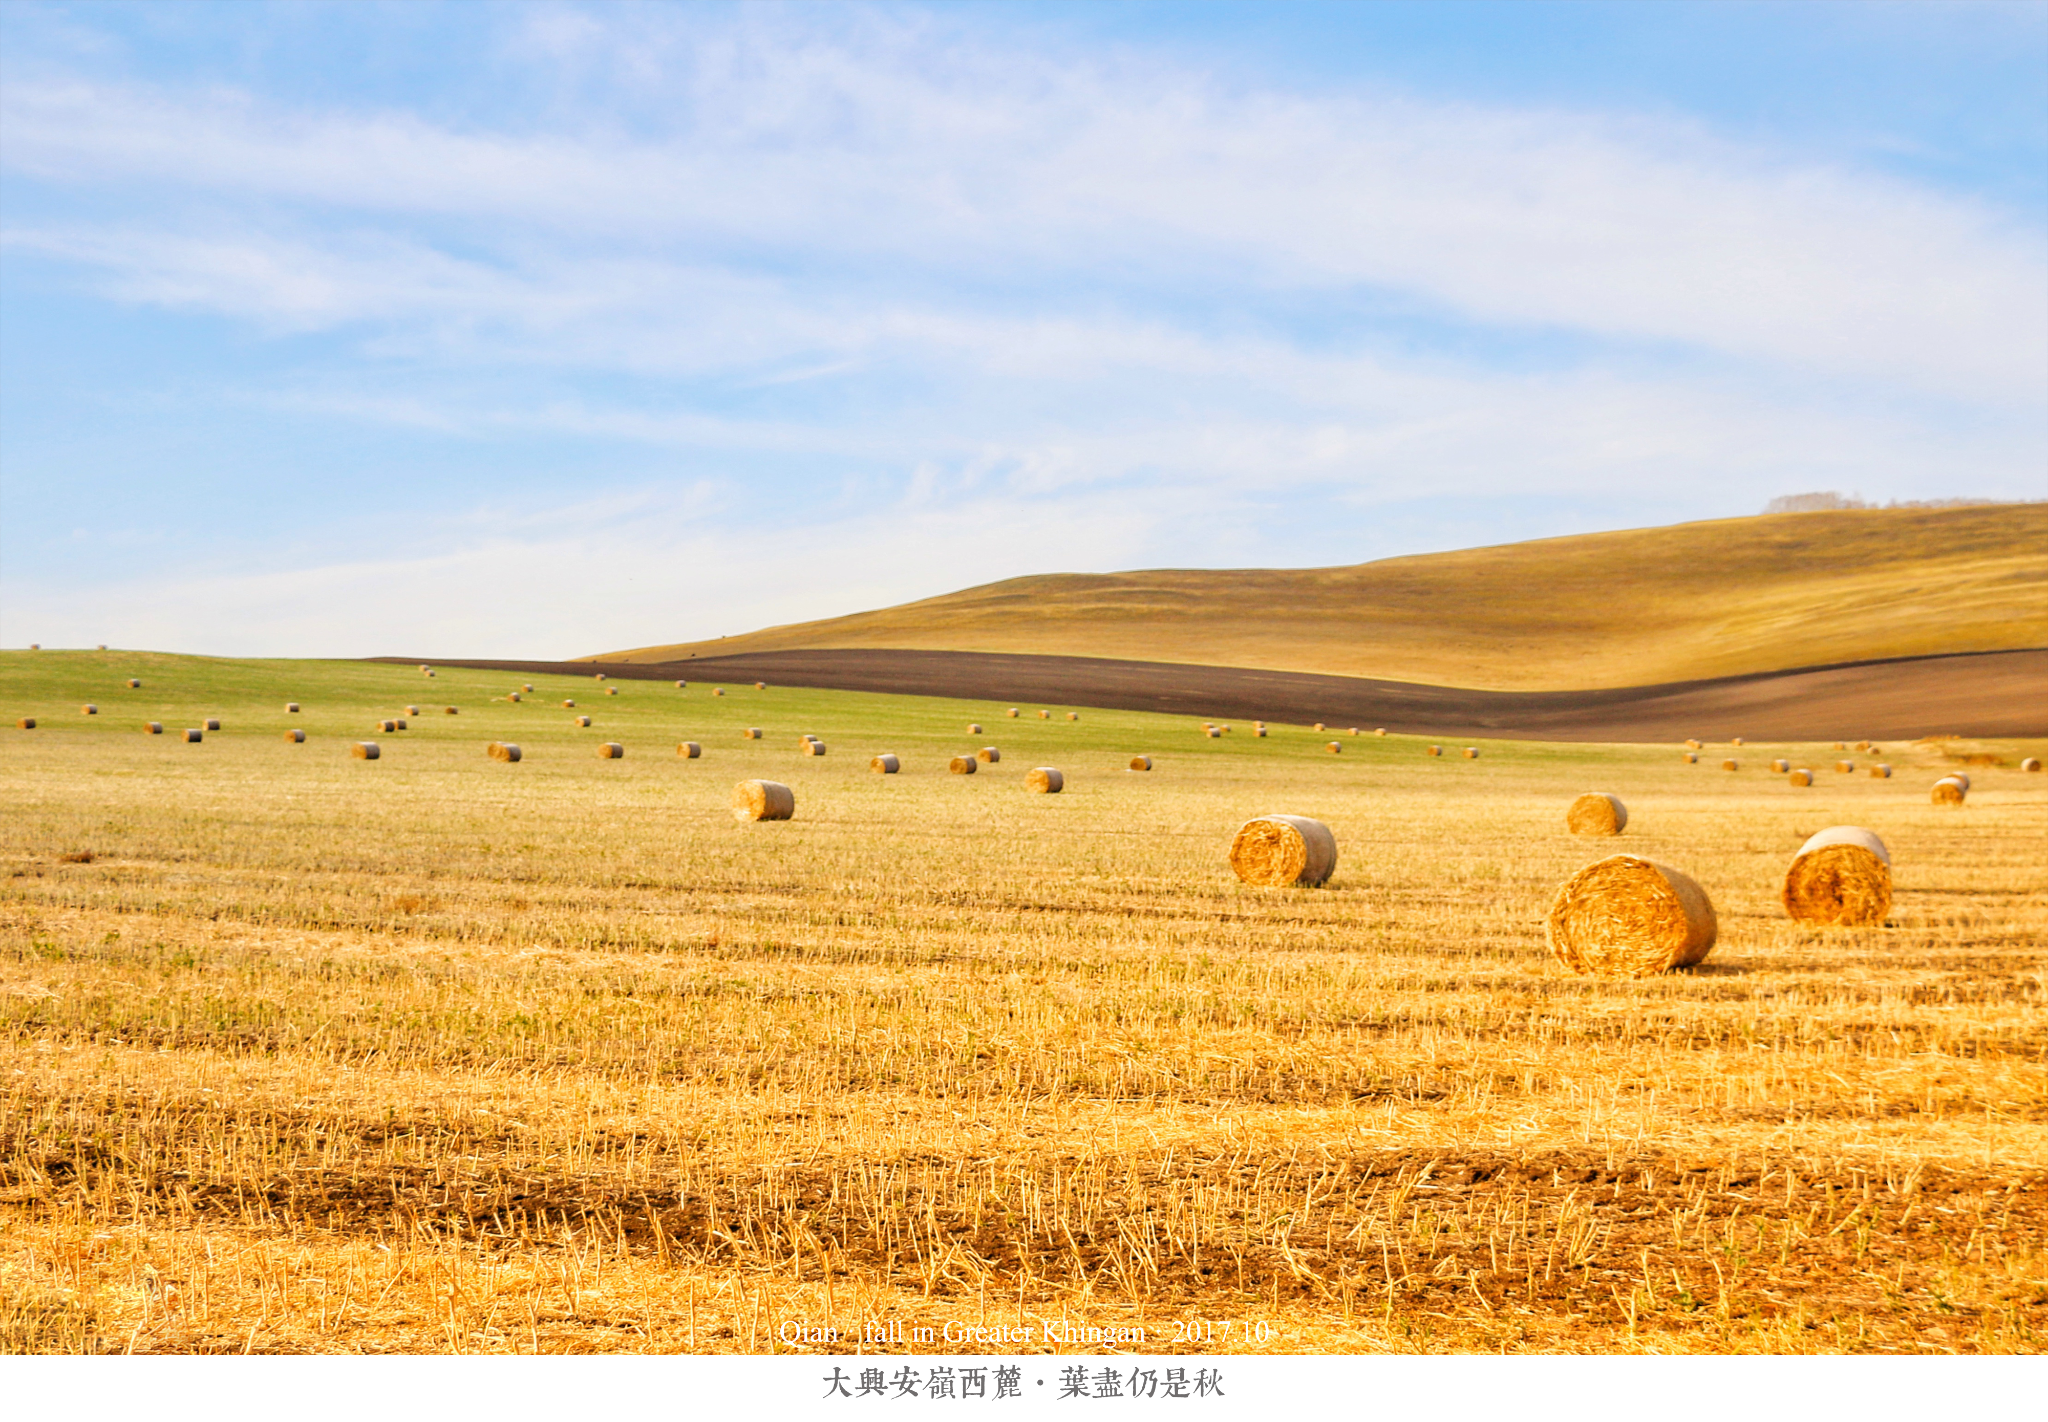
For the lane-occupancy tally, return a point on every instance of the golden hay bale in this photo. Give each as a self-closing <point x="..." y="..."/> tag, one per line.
<point x="1880" y="772"/>
<point x="452" y="710"/>
<point x="1845" y="767"/>
<point x="1730" y="765"/>
<point x="1597" y="813"/>
<point x="1625" y="917"/>
<point x="718" y="691"/>
<point x="988" y="755"/>
<point x="1950" y="790"/>
<point x="762" y="800"/>
<point x="101" y="647"/>
<point x="1011" y="713"/>
<point x="211" y="723"/>
<point x="401" y="724"/>
<point x="750" y="733"/>
<point x="503" y="750"/>
<point x="581" y="720"/>
<point x="88" y="710"/>
<point x="512" y="696"/>
<point x="1353" y="731"/>
<point x="1959" y="777"/>
<point x="1073" y="715"/>
<point x="366" y="750"/>
<point x="295" y="736"/>
<point x="1224" y="729"/>
<point x="1690" y="757"/>
<point x="1434" y="750"/>
<point x="1736" y="741"/>
<point x="1691" y="744"/>
<point x="192" y="733"/>
<point x="805" y="739"/>
<point x="1781" y="766"/>
<point x="1334" y="747"/>
<point x="760" y="686"/>
<point x="1141" y="762"/>
<point x="1841" y="745"/>
<point x="1211" y="732"/>
<point x="1841" y="875"/>
<point x="152" y="728"/>
<point x="1277" y="851"/>
<point x="1801" y="776"/>
<point x="387" y="726"/>
<point x="429" y="673"/>
<point x="682" y="686"/>
<point x="425" y="667"/>
<point x="1044" y="715"/>
<point x="1045" y="781"/>
<point x="2031" y="763"/>
<point x="35" y="646"/>
<point x="688" y="750"/>
<point x="611" y="691"/>
<point x="885" y="764"/>
<point x="291" y="708"/>
<point x="814" y="747"/>
<point x="1471" y="752"/>
<point x="963" y="765"/>
<point x="600" y="676"/>
<point x="1379" y="730"/>
<point x="412" y="710"/>
<point x="1260" y="732"/>
<point x="526" y="686"/>
<point x="611" y="750"/>
<point x="1863" y="745"/>
<point x="134" y="683"/>
<point x="569" y="703"/>
<point x="1318" y="726"/>
<point x="974" y="728"/>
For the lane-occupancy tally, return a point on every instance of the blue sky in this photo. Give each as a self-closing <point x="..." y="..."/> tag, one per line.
<point x="541" y="330"/>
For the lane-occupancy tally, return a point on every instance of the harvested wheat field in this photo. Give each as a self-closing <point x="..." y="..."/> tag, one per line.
<point x="305" y="1054"/>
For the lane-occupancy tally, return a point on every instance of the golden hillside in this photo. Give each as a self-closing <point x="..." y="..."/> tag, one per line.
<point x="1604" y="609"/>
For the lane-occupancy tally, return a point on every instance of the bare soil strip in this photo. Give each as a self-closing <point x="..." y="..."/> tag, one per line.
<point x="1993" y="694"/>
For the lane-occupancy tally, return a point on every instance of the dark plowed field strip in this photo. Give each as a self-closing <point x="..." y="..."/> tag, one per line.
<point x="1975" y="694"/>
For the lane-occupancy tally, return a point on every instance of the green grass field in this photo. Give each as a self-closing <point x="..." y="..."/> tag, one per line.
<point x="1701" y="600"/>
<point x="434" y="1053"/>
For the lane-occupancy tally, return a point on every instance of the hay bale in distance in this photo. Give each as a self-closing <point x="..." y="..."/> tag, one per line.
<point x="1880" y="772"/>
<point x="192" y="734"/>
<point x="988" y="755"/>
<point x="211" y="723"/>
<point x="814" y="747"/>
<point x="366" y="750"/>
<point x="526" y="687"/>
<point x="682" y="686"/>
<point x="688" y="750"/>
<point x="400" y="723"/>
<point x="1597" y="812"/>
<point x="452" y="710"/>
<point x="295" y="736"/>
<point x="762" y="800"/>
<point x="805" y="739"/>
<point x="1950" y="790"/>
<point x="1842" y="875"/>
<point x="1012" y="713"/>
<point x="88" y="710"/>
<point x="412" y="710"/>
<point x="1434" y="750"/>
<point x="1802" y="776"/>
<point x="503" y="750"/>
<point x="1471" y="752"/>
<point x="2031" y="764"/>
<point x="134" y="684"/>
<point x="1211" y="732"/>
<point x="581" y="720"/>
<point x="1379" y="730"/>
<point x="1045" y="781"/>
<point x="1730" y="765"/>
<point x="1334" y="747"/>
<point x="1781" y="766"/>
<point x="1278" y="851"/>
<point x="1693" y="744"/>
<point x="718" y="691"/>
<point x="1690" y="757"/>
<point x="760" y="686"/>
<point x="1959" y="776"/>
<point x="750" y="733"/>
<point x="1735" y="741"/>
<point x="1352" y="732"/>
<point x="1625" y="917"/>
<point x="611" y="750"/>
<point x="425" y="668"/>
<point x="1141" y="762"/>
<point x="611" y="691"/>
<point x="1317" y="727"/>
<point x="1845" y="767"/>
<point x="512" y="696"/>
<point x="1259" y="731"/>
<point x="885" y="764"/>
<point x="1073" y="715"/>
<point x="291" y="708"/>
<point x="1044" y="715"/>
<point x="568" y="703"/>
<point x="387" y="726"/>
<point x="974" y="728"/>
<point x="600" y="676"/>
<point x="963" y="765"/>
<point x="152" y="728"/>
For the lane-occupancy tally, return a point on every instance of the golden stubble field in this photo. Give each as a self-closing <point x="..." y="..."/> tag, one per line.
<point x="439" y="1054"/>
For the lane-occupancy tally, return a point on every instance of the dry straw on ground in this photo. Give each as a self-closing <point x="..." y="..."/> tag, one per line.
<point x="688" y="750"/>
<point x="1950" y="790"/>
<point x="963" y="765"/>
<point x="762" y="800"/>
<point x="1045" y="781"/>
<point x="1842" y="875"/>
<point x="1279" y="851"/>
<point x="366" y="750"/>
<point x="1597" y="812"/>
<point x="1626" y="917"/>
<point x="295" y="736"/>
<point x="885" y="764"/>
<point x="1141" y="762"/>
<point x="502" y="750"/>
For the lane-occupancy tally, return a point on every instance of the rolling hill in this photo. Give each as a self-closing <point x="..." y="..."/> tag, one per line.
<point x="1723" y="598"/>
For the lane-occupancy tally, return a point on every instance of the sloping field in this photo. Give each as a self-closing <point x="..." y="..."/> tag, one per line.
<point x="1698" y="600"/>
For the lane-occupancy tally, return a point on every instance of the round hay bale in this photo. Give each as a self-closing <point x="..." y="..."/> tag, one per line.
<point x="1379" y="730"/>
<point x="688" y="750"/>
<point x="1011" y="713"/>
<point x="1880" y="772"/>
<point x="718" y="691"/>
<point x="885" y="764"/>
<point x="1841" y="745"/>
<point x="1730" y="765"/>
<point x="1334" y="747"/>
<point x="1211" y="732"/>
<point x="611" y="750"/>
<point x="2031" y="764"/>
<point x="1692" y="744"/>
<point x="192" y="733"/>
<point x="1471" y="752"/>
<point x="988" y="755"/>
<point x="400" y="724"/>
<point x="1434" y="750"/>
<point x="750" y="733"/>
<point x="1353" y="731"/>
<point x="1045" y="781"/>
<point x="152" y="728"/>
<point x="1845" y="767"/>
<point x="814" y="747"/>
<point x="1735" y="741"/>
<point x="963" y="765"/>
<point x="1950" y="790"/>
<point x="134" y="683"/>
<point x="211" y="723"/>
<point x="1625" y="917"/>
<point x="600" y="676"/>
<point x="1597" y="813"/>
<point x="1318" y="726"/>
<point x="568" y="703"/>
<point x="295" y="736"/>
<point x="1841" y="875"/>
<point x="1690" y="757"/>
<point x="452" y="710"/>
<point x="429" y="673"/>
<point x="682" y="686"/>
<point x="35" y="646"/>
<point x="1044" y="715"/>
<point x="805" y="739"/>
<point x="27" y="723"/>
<point x="1801" y="776"/>
<point x="1277" y="851"/>
<point x="88" y="710"/>
<point x="291" y="708"/>
<point x="366" y="750"/>
<point x="1863" y="746"/>
<point x="1260" y="732"/>
<point x="1141" y="762"/>
<point x="512" y="696"/>
<point x="974" y="728"/>
<point x="503" y="750"/>
<point x="425" y="668"/>
<point x="387" y="726"/>
<point x="580" y="720"/>
<point x="412" y="710"/>
<point x="762" y="800"/>
<point x="611" y="691"/>
<point x="1781" y="766"/>
<point x="1960" y="777"/>
<point x="1073" y="715"/>
<point x="760" y="686"/>
<point x="526" y="687"/>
